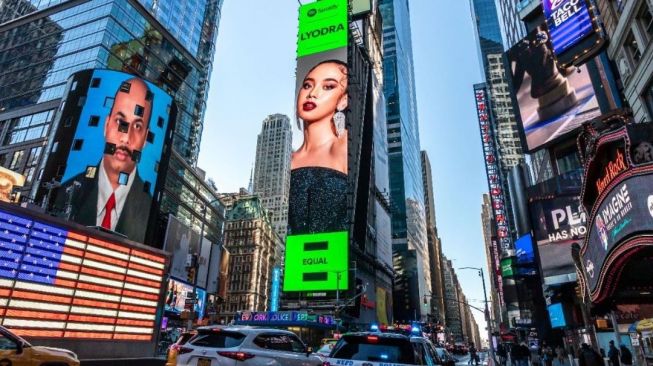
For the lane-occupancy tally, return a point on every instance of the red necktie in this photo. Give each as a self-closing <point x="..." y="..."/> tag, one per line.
<point x="111" y="204"/>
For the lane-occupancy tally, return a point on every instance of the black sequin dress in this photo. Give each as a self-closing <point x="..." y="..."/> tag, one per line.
<point x="318" y="201"/>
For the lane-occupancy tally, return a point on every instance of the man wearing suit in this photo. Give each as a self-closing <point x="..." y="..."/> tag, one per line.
<point x="113" y="195"/>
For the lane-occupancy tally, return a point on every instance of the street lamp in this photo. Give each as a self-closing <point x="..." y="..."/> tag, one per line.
<point x="196" y="264"/>
<point x="488" y="320"/>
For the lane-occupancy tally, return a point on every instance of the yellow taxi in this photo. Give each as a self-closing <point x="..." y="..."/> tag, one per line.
<point x="15" y="351"/>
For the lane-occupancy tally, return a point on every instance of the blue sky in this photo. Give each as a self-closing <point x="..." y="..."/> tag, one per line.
<point x="254" y="76"/>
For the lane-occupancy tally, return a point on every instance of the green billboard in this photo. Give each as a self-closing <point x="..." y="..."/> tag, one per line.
<point x="317" y="262"/>
<point x="508" y="267"/>
<point x="322" y="27"/>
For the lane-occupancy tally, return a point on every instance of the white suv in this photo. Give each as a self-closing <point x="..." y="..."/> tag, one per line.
<point x="245" y="346"/>
<point x="381" y="349"/>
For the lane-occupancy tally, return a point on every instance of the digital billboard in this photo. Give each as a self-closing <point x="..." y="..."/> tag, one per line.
<point x="524" y="250"/>
<point x="574" y="33"/>
<point x="557" y="316"/>
<point x="57" y="282"/>
<point x="319" y="166"/>
<point x="8" y="181"/>
<point x="181" y="241"/>
<point x="568" y="21"/>
<point x="551" y="101"/>
<point x="317" y="262"/>
<point x="108" y="145"/>
<point x="180" y="294"/>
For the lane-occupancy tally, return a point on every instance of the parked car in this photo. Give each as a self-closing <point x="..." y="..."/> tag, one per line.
<point x="245" y="346"/>
<point x="377" y="349"/>
<point x="14" y="350"/>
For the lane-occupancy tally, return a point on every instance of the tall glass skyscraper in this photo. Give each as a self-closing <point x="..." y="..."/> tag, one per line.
<point x="488" y="30"/>
<point x="42" y="42"/>
<point x="409" y="240"/>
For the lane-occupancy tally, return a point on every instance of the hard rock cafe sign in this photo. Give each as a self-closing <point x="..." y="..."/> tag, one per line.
<point x="617" y="195"/>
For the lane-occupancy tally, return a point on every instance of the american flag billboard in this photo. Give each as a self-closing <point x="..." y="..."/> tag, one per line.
<point x="55" y="282"/>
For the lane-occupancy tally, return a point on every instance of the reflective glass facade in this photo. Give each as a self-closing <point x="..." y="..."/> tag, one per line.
<point x="183" y="19"/>
<point x="40" y="52"/>
<point x="488" y="30"/>
<point x="405" y="168"/>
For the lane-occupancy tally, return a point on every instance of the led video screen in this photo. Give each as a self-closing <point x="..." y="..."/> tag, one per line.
<point x="179" y="292"/>
<point x="58" y="283"/>
<point x="319" y="165"/>
<point x="551" y="101"/>
<point x="110" y="141"/>
<point x="316" y="262"/>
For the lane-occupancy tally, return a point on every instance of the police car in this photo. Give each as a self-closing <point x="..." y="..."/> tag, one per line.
<point x="382" y="349"/>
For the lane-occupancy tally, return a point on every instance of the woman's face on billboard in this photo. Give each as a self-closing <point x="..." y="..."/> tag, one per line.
<point x="323" y="91"/>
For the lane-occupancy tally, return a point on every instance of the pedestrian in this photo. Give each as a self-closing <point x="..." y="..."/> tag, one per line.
<point x="472" y="355"/>
<point x="501" y="352"/>
<point x="524" y="355"/>
<point x="560" y="357"/>
<point x="589" y="357"/>
<point x="626" y="356"/>
<point x="613" y="354"/>
<point x="546" y="354"/>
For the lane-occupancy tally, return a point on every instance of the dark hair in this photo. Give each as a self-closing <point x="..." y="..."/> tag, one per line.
<point x="330" y="61"/>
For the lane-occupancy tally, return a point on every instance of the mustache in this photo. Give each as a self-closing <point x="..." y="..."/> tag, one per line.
<point x="111" y="149"/>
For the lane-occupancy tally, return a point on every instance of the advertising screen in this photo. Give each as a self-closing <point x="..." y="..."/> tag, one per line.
<point x="524" y="250"/>
<point x="108" y="148"/>
<point x="551" y="101"/>
<point x="181" y="241"/>
<point x="59" y="283"/>
<point x="8" y="181"/>
<point x="180" y="293"/>
<point x="569" y="21"/>
<point x="557" y="316"/>
<point x="316" y="262"/>
<point x="319" y="167"/>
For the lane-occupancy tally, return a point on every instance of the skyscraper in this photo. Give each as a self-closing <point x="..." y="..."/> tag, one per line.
<point x="511" y="25"/>
<point x="406" y="188"/>
<point x="434" y="243"/>
<point x="57" y="38"/>
<point x="271" y="181"/>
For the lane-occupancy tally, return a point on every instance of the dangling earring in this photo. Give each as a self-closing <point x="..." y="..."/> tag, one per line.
<point x="299" y="124"/>
<point x="339" y="122"/>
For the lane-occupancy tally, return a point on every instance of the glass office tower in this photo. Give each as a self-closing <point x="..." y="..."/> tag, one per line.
<point x="43" y="42"/>
<point x="409" y="240"/>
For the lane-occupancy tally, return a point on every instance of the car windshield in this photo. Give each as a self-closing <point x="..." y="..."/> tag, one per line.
<point x="373" y="348"/>
<point x="217" y="339"/>
<point x="326" y="349"/>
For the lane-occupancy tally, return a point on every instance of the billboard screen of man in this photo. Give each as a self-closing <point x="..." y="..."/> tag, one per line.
<point x="118" y="131"/>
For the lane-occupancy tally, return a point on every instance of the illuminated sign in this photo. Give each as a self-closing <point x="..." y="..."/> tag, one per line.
<point x="317" y="262"/>
<point x="625" y="211"/>
<point x="507" y="267"/>
<point x="283" y="318"/>
<point x="557" y="316"/>
<point x="57" y="283"/>
<point x="323" y="26"/>
<point x="492" y="167"/>
<point x="569" y="21"/>
<point x="611" y="171"/>
<point x="111" y="139"/>
<point x="276" y="289"/>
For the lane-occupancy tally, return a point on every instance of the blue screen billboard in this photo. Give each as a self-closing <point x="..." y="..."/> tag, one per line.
<point x="524" y="249"/>
<point x="557" y="316"/>
<point x="569" y="21"/>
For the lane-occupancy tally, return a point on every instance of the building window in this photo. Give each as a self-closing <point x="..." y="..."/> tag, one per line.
<point x="29" y="127"/>
<point x="645" y="20"/>
<point x="32" y="162"/>
<point x="649" y="100"/>
<point x="632" y="47"/>
<point x="17" y="159"/>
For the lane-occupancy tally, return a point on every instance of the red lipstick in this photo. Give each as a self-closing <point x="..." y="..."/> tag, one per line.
<point x="308" y="106"/>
